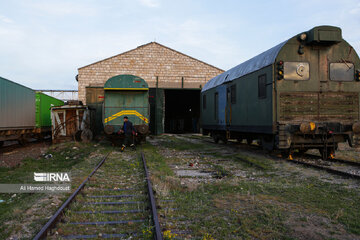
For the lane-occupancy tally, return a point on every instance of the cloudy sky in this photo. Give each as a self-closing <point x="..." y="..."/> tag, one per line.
<point x="44" y="42"/>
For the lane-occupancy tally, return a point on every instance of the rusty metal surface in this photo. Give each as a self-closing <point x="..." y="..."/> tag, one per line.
<point x="158" y="235"/>
<point x="312" y="106"/>
<point x="94" y="95"/>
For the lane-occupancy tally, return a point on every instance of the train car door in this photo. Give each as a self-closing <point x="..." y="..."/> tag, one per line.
<point x="221" y="105"/>
<point x="228" y="107"/>
<point x="230" y="100"/>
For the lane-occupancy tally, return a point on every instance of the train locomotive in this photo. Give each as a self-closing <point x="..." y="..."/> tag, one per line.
<point x="126" y="95"/>
<point x="301" y="94"/>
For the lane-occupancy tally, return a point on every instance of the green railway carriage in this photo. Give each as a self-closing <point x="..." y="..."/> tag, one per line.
<point x="300" y="94"/>
<point x="126" y="95"/>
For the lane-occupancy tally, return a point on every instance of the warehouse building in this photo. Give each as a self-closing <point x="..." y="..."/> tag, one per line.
<point x="175" y="80"/>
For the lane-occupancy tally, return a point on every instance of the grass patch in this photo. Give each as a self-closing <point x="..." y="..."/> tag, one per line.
<point x="66" y="157"/>
<point x="220" y="171"/>
<point x="256" y="162"/>
<point x="245" y="208"/>
<point x="155" y="161"/>
<point x="181" y="144"/>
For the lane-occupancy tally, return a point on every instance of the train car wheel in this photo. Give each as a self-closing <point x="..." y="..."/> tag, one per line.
<point x="302" y="151"/>
<point x="86" y="135"/>
<point x="22" y="141"/>
<point x="224" y="139"/>
<point x="249" y="141"/>
<point x="215" y="138"/>
<point x="267" y="143"/>
<point x="326" y="152"/>
<point x="77" y="136"/>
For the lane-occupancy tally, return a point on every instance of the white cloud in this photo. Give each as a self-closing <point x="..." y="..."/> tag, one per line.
<point x="150" y="3"/>
<point x="61" y="8"/>
<point x="5" y="19"/>
<point x="355" y="10"/>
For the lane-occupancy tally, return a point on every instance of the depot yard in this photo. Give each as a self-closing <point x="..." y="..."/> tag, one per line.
<point x="203" y="191"/>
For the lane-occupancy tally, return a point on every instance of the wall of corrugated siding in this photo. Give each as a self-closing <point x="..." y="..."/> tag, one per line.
<point x="17" y="105"/>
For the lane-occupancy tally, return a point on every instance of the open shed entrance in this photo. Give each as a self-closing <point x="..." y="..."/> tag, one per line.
<point x="182" y="110"/>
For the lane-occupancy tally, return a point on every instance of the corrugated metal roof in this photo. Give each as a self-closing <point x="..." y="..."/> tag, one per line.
<point x="262" y="60"/>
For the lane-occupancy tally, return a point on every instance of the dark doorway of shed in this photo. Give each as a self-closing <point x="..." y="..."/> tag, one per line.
<point x="182" y="110"/>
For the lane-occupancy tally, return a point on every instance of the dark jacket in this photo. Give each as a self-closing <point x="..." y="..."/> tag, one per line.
<point x="128" y="128"/>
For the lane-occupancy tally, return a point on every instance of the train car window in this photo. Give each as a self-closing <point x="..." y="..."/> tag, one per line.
<point x="342" y="71"/>
<point x="204" y="101"/>
<point x="216" y="101"/>
<point x="233" y="94"/>
<point x="296" y="71"/>
<point x="262" y="86"/>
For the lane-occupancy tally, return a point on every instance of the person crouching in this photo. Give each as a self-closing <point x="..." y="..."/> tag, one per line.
<point x="129" y="132"/>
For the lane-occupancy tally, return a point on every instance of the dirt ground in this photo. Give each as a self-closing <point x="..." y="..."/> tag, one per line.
<point x="11" y="155"/>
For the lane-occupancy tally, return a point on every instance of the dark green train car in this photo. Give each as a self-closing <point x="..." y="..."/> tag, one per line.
<point x="300" y="94"/>
<point x="126" y="95"/>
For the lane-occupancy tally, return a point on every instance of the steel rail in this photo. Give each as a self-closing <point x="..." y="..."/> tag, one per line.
<point x="327" y="169"/>
<point x="348" y="162"/>
<point x="42" y="233"/>
<point x="158" y="235"/>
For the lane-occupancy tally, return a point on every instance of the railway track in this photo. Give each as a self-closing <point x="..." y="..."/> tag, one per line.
<point x="335" y="166"/>
<point x="344" y="168"/>
<point x="115" y="201"/>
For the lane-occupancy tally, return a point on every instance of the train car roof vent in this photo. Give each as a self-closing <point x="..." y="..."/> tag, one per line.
<point x="324" y="35"/>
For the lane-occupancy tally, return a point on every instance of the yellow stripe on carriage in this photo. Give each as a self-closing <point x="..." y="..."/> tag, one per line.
<point x="126" y="112"/>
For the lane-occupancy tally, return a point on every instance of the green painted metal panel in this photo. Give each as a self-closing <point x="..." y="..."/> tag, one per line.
<point x="43" y="104"/>
<point x="159" y="112"/>
<point x="249" y="109"/>
<point x="319" y="56"/>
<point x="131" y="103"/>
<point x="254" y="111"/>
<point x="324" y="34"/>
<point x="125" y="81"/>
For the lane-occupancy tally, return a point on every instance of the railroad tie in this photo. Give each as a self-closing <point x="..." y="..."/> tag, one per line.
<point x="118" y="235"/>
<point x="113" y="203"/>
<point x="114" y="196"/>
<point x="111" y="211"/>
<point x="108" y="222"/>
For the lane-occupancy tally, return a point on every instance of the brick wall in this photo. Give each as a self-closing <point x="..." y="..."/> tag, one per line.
<point x="155" y="63"/>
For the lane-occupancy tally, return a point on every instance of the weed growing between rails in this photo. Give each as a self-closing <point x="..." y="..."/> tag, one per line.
<point x="114" y="202"/>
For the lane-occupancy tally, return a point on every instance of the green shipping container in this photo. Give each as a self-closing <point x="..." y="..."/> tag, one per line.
<point x="43" y="103"/>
